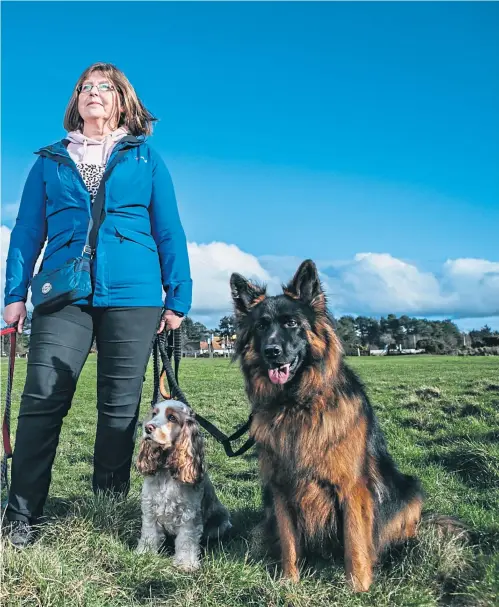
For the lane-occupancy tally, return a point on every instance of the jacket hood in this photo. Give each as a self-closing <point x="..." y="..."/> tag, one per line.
<point x="92" y="151"/>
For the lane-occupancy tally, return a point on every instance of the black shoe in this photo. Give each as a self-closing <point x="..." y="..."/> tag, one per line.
<point x="19" y="533"/>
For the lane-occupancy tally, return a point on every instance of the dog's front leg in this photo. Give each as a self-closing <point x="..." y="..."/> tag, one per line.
<point x="288" y="537"/>
<point x="358" y="531"/>
<point x="187" y="546"/>
<point x="151" y="536"/>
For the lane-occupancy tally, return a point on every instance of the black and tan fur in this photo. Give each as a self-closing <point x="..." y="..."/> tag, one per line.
<point x="326" y="473"/>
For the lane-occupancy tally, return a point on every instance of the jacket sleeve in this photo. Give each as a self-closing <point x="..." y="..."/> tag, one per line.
<point x="27" y="237"/>
<point x="170" y="238"/>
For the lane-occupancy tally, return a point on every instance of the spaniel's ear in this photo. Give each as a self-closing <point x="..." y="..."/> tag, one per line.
<point x="186" y="462"/>
<point x="150" y="458"/>
<point x="245" y="295"/>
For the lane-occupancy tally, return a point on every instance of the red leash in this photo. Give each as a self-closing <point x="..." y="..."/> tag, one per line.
<point x="7" y="447"/>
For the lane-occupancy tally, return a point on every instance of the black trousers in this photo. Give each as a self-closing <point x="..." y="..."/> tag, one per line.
<point x="59" y="346"/>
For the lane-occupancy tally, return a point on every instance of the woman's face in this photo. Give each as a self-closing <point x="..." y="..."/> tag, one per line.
<point x="98" y="99"/>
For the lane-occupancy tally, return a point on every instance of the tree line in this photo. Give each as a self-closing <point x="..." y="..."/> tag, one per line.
<point x="366" y="333"/>
<point x="434" y="336"/>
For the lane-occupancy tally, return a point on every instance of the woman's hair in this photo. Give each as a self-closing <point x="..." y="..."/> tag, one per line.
<point x="134" y="115"/>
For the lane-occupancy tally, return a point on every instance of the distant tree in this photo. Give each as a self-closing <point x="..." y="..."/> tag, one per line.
<point x="361" y="324"/>
<point x="347" y="332"/>
<point x="368" y="331"/>
<point x="431" y="346"/>
<point x="193" y="331"/>
<point x="451" y="336"/>
<point x="386" y="339"/>
<point x="486" y="330"/>
<point x="396" y="328"/>
<point x="184" y="330"/>
<point x="227" y="329"/>
<point x="479" y="338"/>
<point x="384" y="327"/>
<point x="416" y="329"/>
<point x="440" y="337"/>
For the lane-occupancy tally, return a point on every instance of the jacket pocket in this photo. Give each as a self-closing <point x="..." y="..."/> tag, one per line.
<point x="146" y="240"/>
<point x="57" y="242"/>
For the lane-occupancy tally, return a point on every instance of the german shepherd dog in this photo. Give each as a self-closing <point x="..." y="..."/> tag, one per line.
<point x="326" y="472"/>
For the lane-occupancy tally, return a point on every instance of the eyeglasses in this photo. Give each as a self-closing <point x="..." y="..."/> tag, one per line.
<point x="103" y="87"/>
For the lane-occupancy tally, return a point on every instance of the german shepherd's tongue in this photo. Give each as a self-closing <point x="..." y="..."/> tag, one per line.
<point x="279" y="375"/>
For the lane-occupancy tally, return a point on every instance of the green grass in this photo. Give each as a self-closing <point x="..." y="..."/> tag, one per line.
<point x="440" y="416"/>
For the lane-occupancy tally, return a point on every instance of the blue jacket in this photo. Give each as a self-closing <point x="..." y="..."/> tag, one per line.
<point x="141" y="243"/>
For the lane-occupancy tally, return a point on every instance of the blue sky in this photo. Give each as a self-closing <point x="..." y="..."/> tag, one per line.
<point x="293" y="130"/>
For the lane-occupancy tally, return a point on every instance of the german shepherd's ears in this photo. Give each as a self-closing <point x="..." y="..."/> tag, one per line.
<point x="306" y="286"/>
<point x="245" y="294"/>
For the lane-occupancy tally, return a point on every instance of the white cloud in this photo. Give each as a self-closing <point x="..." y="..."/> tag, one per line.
<point x="369" y="284"/>
<point x="4" y="249"/>
<point x="475" y="285"/>
<point x="377" y="283"/>
<point x="211" y="267"/>
<point x="9" y="212"/>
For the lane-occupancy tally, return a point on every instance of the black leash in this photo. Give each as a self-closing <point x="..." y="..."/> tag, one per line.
<point x="166" y="345"/>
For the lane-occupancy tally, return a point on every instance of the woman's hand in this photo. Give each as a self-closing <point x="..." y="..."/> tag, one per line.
<point x="16" y="313"/>
<point x="169" y="320"/>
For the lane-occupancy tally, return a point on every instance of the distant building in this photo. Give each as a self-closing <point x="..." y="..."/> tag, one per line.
<point x="218" y="346"/>
<point x="398" y="350"/>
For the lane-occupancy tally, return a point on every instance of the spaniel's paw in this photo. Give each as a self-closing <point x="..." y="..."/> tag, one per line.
<point x="187" y="565"/>
<point x="145" y="548"/>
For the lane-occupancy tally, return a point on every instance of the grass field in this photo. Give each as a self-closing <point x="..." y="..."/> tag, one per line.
<point x="441" y="419"/>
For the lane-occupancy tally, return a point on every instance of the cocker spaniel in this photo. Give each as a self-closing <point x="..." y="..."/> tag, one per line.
<point x="177" y="495"/>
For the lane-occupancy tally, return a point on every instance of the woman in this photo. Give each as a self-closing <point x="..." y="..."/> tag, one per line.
<point x="141" y="248"/>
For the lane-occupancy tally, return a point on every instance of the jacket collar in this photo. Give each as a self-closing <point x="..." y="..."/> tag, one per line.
<point x="59" y="148"/>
